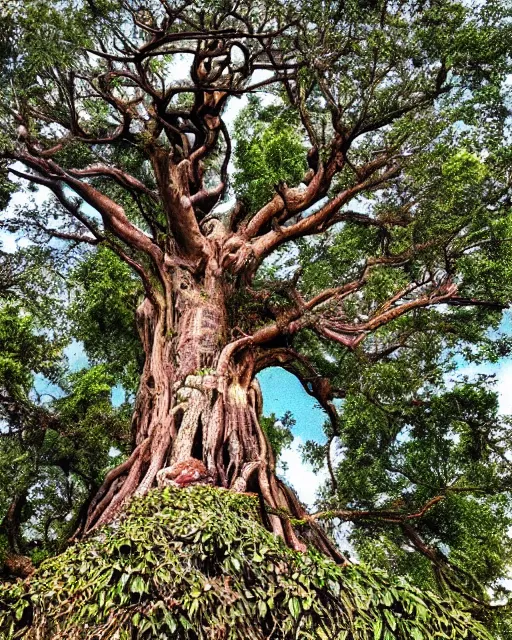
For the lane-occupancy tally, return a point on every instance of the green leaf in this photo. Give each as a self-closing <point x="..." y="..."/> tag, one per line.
<point x="138" y="585"/>
<point x="294" y="607"/>
<point x="390" y="619"/>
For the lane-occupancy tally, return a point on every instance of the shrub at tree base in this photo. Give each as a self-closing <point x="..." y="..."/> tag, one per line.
<point x="197" y="563"/>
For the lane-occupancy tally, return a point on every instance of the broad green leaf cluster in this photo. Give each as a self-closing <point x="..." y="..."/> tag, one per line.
<point x="197" y="563"/>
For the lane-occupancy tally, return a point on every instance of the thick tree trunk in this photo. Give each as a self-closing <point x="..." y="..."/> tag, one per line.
<point x="15" y="563"/>
<point x="197" y="412"/>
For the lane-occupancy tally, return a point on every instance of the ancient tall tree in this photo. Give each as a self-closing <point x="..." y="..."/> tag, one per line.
<point x="122" y="111"/>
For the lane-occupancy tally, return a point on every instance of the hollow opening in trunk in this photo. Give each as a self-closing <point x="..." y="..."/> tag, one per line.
<point x="252" y="484"/>
<point x="197" y="445"/>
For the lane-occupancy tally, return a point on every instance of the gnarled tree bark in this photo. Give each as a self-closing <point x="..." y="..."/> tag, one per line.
<point x="15" y="563"/>
<point x="199" y="400"/>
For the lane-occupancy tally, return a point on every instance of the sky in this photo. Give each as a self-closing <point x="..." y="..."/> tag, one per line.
<point x="283" y="392"/>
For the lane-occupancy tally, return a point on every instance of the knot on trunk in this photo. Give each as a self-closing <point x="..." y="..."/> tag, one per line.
<point x="183" y="474"/>
<point x="236" y="253"/>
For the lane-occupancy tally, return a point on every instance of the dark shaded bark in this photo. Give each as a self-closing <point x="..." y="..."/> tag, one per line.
<point x="15" y="563"/>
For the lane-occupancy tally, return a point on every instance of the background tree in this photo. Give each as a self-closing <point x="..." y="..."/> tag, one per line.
<point x="54" y="447"/>
<point x="371" y="219"/>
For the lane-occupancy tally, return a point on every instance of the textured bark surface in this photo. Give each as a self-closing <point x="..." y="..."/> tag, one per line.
<point x="199" y="403"/>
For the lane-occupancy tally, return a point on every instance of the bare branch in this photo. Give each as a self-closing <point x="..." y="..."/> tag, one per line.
<point x="354" y="515"/>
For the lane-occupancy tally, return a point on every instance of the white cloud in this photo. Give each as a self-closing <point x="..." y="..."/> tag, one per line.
<point x="503" y="372"/>
<point x="504" y="387"/>
<point x="300" y="475"/>
<point x="7" y="242"/>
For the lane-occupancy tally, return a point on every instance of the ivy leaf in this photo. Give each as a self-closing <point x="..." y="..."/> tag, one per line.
<point x="138" y="585"/>
<point x="294" y="607"/>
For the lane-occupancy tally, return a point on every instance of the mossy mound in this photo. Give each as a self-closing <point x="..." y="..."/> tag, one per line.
<point x="197" y="564"/>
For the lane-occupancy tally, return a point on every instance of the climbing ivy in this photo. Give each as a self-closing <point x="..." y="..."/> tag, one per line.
<point x="197" y="564"/>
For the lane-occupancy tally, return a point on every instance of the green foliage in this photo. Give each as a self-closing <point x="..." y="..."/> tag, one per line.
<point x="54" y="447"/>
<point x="7" y="188"/>
<point x="102" y="313"/>
<point x="43" y="34"/>
<point x="196" y="563"/>
<point x="23" y="352"/>
<point x="269" y="151"/>
<point x="406" y="439"/>
<point x="90" y="424"/>
<point x="278" y="432"/>
<point x="31" y="278"/>
<point x="54" y="455"/>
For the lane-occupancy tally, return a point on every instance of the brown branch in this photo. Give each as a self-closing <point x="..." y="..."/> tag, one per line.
<point x="353" y="515"/>
<point x="173" y="182"/>
<point x="72" y="207"/>
<point x="336" y="293"/>
<point x="63" y="235"/>
<point x="121" y="177"/>
<point x="310" y="314"/>
<point x="114" y="216"/>
<point x="293" y="200"/>
<point x="317" y="222"/>
<point x="380" y="354"/>
<point x="350" y="335"/>
<point x="330" y="467"/>
<point x="457" y="301"/>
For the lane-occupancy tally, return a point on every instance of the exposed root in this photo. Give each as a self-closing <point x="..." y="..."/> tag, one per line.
<point x="209" y="421"/>
<point x="107" y="490"/>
